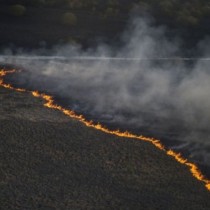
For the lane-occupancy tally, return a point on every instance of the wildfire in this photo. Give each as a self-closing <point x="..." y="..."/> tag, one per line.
<point x="8" y="86"/>
<point x="49" y="103"/>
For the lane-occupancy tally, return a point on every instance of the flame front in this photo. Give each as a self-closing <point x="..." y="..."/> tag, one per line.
<point x="8" y="86"/>
<point x="49" y="103"/>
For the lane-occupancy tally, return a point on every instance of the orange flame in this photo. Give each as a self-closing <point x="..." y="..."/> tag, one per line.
<point x="8" y="86"/>
<point x="52" y="105"/>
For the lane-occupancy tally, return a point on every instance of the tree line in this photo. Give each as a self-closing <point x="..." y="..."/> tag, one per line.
<point x="187" y="13"/>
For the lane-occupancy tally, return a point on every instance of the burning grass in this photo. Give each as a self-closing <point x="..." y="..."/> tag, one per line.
<point x="63" y="164"/>
<point x="51" y="104"/>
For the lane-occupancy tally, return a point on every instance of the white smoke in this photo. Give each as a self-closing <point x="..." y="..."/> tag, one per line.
<point x="144" y="85"/>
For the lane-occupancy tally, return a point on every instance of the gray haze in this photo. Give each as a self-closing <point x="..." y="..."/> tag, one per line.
<point x="136" y="86"/>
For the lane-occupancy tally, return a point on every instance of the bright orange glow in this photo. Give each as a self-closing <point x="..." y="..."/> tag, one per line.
<point x="8" y="86"/>
<point x="49" y="102"/>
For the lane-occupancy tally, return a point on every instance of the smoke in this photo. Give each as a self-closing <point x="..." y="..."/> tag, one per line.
<point x="143" y="86"/>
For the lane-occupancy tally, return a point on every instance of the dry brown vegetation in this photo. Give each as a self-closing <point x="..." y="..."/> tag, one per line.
<point x="49" y="161"/>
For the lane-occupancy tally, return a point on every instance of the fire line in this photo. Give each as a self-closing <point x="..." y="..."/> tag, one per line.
<point x="50" y="103"/>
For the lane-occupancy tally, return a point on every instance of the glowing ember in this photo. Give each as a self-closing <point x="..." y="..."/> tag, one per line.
<point x="51" y="104"/>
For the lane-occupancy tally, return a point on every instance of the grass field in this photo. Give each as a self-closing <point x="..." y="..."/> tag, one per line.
<point x="49" y="161"/>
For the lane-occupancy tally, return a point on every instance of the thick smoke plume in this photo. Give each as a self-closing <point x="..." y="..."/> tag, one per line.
<point x="143" y="86"/>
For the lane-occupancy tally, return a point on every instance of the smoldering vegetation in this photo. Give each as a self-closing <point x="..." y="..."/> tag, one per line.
<point x="146" y="86"/>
